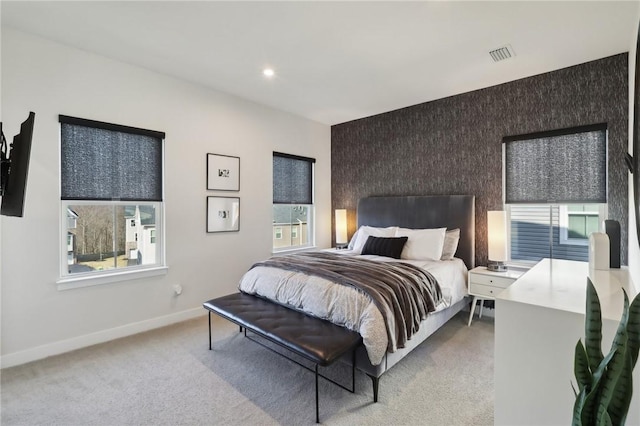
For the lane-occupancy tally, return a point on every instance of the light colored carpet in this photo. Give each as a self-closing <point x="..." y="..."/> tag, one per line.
<point x="169" y="377"/>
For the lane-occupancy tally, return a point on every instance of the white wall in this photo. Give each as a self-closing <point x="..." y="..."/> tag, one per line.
<point x="51" y="79"/>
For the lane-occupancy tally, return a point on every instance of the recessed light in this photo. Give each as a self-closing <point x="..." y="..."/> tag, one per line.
<point x="268" y="72"/>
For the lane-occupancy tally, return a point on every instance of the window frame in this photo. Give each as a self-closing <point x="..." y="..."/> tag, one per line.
<point x="84" y="279"/>
<point x="562" y="218"/>
<point x="68" y="281"/>
<point x="311" y="222"/>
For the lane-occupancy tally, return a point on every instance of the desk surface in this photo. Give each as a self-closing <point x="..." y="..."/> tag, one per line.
<point x="561" y="284"/>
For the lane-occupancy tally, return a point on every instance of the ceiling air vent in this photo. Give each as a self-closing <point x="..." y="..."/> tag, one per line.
<point x="502" y="53"/>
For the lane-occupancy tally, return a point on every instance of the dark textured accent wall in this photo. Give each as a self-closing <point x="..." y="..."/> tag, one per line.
<point x="454" y="145"/>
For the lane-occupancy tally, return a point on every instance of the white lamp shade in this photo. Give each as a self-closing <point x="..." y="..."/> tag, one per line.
<point x="497" y="235"/>
<point x="341" y="226"/>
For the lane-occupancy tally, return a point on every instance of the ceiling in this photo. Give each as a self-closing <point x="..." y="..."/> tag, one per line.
<point x="336" y="61"/>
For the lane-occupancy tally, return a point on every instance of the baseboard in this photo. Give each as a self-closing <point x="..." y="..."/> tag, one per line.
<point x="56" y="348"/>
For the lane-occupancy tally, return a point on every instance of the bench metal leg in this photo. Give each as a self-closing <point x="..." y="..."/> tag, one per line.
<point x="209" y="330"/>
<point x="315" y="369"/>
<point x="353" y="371"/>
<point x="376" y="382"/>
<point x="317" y="403"/>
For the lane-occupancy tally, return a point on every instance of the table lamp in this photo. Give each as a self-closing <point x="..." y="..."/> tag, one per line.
<point x="497" y="236"/>
<point x="341" y="228"/>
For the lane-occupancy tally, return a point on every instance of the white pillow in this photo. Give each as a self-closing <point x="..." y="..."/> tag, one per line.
<point x="451" y="239"/>
<point x="352" y="242"/>
<point x="422" y="243"/>
<point x="364" y="232"/>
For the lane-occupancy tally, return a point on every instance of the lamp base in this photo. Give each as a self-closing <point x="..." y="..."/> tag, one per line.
<point x="496" y="266"/>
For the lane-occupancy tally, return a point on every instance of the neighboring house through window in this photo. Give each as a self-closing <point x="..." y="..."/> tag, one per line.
<point x="293" y="209"/>
<point x="72" y="220"/>
<point x="555" y="192"/>
<point x="111" y="190"/>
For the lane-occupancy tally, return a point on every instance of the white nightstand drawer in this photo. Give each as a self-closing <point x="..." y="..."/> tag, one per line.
<point x="484" y="290"/>
<point x="485" y="284"/>
<point x="491" y="280"/>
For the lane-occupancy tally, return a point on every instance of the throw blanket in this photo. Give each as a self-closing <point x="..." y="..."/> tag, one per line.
<point x="404" y="294"/>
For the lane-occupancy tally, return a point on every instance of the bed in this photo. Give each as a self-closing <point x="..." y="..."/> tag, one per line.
<point x="406" y="212"/>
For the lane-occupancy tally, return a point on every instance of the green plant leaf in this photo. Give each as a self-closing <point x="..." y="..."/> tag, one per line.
<point x="633" y="330"/>
<point x="607" y="397"/>
<point x="583" y="378"/>
<point x="578" y="408"/>
<point x="616" y="364"/>
<point x="593" y="327"/>
<point x="592" y="397"/>
<point x="619" y="405"/>
<point x="593" y="335"/>
<point x="581" y="367"/>
<point x="603" y="418"/>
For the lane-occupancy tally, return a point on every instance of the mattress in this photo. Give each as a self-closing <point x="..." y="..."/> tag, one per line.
<point x="345" y="305"/>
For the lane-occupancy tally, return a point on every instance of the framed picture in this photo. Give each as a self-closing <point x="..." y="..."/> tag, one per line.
<point x="223" y="214"/>
<point x="223" y="172"/>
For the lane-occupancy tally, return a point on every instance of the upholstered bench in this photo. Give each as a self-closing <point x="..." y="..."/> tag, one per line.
<point x="314" y="339"/>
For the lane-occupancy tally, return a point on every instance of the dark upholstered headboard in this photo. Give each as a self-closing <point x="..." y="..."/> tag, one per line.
<point x="421" y="212"/>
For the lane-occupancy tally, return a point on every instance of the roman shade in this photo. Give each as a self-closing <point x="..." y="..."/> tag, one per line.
<point x="561" y="166"/>
<point x="103" y="161"/>
<point x="292" y="179"/>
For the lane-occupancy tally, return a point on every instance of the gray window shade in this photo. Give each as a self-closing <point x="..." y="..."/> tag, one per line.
<point x="292" y="179"/>
<point x="104" y="164"/>
<point x="565" y="166"/>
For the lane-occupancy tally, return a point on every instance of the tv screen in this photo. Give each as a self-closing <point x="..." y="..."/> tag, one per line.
<point x="16" y="178"/>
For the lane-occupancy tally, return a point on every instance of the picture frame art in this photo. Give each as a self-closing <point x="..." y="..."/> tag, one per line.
<point x="223" y="214"/>
<point x="223" y="172"/>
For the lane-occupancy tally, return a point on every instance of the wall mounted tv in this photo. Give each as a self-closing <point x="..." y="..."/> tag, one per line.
<point x="14" y="165"/>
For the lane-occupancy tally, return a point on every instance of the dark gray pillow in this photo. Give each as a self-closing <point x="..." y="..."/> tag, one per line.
<point x="381" y="246"/>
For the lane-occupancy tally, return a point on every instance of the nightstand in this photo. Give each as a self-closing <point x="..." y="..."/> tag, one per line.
<point x="485" y="285"/>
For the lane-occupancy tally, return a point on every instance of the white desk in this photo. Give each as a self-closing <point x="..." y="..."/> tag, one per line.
<point x="539" y="320"/>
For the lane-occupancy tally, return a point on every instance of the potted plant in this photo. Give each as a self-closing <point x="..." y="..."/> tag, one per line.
<point x="605" y="382"/>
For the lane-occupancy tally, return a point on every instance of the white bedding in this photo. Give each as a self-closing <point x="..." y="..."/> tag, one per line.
<point x="345" y="305"/>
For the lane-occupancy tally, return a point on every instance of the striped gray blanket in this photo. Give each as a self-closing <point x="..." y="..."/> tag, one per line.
<point x="404" y="294"/>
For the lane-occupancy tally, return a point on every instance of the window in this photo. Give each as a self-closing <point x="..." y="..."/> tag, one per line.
<point x="559" y="231"/>
<point x="69" y="242"/>
<point x="578" y="221"/>
<point x="111" y="181"/>
<point x="293" y="210"/>
<point x="555" y="191"/>
<point x="71" y="219"/>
